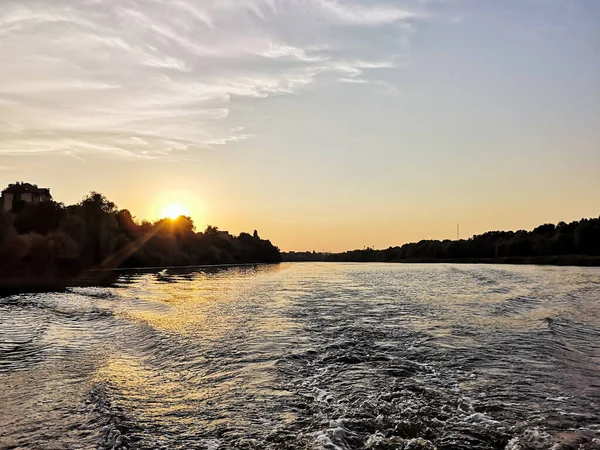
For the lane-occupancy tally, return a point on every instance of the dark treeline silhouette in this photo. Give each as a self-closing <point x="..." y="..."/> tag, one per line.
<point x="51" y="241"/>
<point x="304" y="256"/>
<point x="575" y="243"/>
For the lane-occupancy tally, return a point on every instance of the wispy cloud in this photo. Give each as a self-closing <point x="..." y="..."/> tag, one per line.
<point x="365" y="15"/>
<point x="149" y="78"/>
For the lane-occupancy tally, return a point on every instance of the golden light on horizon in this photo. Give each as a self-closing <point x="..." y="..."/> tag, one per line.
<point x="174" y="210"/>
<point x="173" y="202"/>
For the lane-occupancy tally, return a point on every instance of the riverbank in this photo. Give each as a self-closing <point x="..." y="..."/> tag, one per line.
<point x="561" y="260"/>
<point x="554" y="260"/>
<point x="23" y="285"/>
<point x="100" y="278"/>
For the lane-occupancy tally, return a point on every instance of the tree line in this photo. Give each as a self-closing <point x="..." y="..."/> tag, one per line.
<point x="575" y="243"/>
<point x="303" y="256"/>
<point x="51" y="240"/>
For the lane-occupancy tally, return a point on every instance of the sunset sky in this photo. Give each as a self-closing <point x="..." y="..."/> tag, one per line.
<point x="324" y="124"/>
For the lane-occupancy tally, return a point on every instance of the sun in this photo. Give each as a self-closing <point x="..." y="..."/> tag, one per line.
<point x="174" y="210"/>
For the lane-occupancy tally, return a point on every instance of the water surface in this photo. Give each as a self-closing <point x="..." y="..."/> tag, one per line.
<point x="307" y="356"/>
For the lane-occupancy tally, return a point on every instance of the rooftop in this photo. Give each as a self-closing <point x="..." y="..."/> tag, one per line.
<point x="22" y="188"/>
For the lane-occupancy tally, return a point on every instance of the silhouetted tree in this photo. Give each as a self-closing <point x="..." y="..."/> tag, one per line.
<point x="575" y="240"/>
<point x="50" y="240"/>
<point x="211" y="230"/>
<point x="39" y="218"/>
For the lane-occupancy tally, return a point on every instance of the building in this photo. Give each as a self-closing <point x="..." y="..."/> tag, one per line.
<point x="23" y="192"/>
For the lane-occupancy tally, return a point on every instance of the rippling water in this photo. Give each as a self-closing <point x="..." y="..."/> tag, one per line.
<point x="307" y="356"/>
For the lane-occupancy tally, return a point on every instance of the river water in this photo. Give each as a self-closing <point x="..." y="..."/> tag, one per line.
<point x="307" y="356"/>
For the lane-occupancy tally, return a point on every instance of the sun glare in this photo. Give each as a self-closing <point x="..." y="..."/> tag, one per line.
<point x="174" y="210"/>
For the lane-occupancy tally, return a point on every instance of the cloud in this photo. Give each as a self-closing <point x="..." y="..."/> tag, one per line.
<point x="362" y="15"/>
<point x="152" y="78"/>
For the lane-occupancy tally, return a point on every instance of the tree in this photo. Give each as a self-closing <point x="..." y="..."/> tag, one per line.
<point x="39" y="218"/>
<point x="97" y="203"/>
<point x="210" y="230"/>
<point x="51" y="240"/>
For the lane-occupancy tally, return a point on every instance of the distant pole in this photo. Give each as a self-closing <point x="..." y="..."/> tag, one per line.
<point x="457" y="233"/>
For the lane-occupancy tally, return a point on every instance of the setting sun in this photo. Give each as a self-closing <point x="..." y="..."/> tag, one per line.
<point x="174" y="210"/>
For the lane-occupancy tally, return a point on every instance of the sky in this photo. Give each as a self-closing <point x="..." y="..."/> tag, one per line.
<point x="324" y="124"/>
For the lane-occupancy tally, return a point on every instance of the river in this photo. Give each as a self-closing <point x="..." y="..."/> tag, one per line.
<point x="307" y="356"/>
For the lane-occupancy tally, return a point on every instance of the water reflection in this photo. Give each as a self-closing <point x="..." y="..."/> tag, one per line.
<point x="307" y="356"/>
